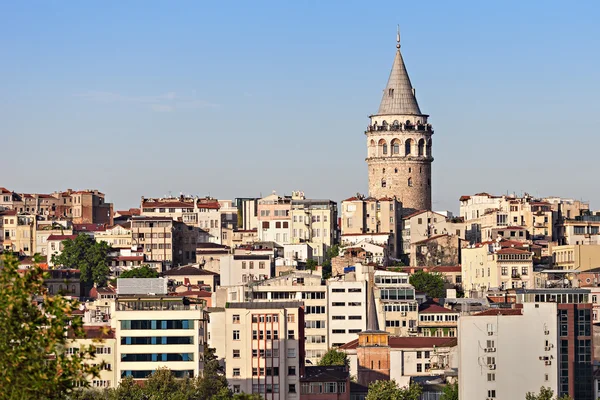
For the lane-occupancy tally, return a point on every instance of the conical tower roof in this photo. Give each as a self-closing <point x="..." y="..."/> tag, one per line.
<point x="398" y="97"/>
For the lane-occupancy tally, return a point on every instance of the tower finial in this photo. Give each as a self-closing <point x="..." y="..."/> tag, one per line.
<point x="398" y="37"/>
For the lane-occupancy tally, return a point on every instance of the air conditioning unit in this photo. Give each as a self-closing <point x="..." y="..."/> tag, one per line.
<point x="491" y="366"/>
<point x="490" y="350"/>
<point x="547" y="348"/>
<point x="490" y="333"/>
<point x="546" y="332"/>
<point x="548" y="362"/>
<point x="541" y="358"/>
<point x="403" y="313"/>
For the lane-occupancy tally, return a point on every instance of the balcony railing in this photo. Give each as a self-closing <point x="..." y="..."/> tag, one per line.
<point x="400" y="127"/>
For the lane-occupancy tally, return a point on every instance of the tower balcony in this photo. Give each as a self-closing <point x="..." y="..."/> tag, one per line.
<point x="397" y="157"/>
<point x="400" y="128"/>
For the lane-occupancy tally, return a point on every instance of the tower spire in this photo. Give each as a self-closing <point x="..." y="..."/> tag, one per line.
<point x="398" y="96"/>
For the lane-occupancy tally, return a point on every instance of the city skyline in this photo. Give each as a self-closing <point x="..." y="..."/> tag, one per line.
<point x="229" y="96"/>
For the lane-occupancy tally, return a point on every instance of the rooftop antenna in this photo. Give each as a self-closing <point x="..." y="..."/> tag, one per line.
<point x="398" y="37"/>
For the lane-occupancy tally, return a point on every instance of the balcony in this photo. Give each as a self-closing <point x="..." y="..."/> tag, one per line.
<point x="515" y="276"/>
<point x="400" y="127"/>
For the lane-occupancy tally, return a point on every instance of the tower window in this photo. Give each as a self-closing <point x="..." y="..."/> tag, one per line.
<point x="395" y="147"/>
<point x="410" y="182"/>
<point x="420" y="169"/>
<point x="395" y="170"/>
<point x="385" y="148"/>
<point x="391" y="92"/>
<point x="383" y="170"/>
<point x="409" y="170"/>
<point x="383" y="183"/>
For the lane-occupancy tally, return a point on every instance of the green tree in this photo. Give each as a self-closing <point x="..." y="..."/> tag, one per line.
<point x="311" y="264"/>
<point x="334" y="357"/>
<point x="389" y="390"/>
<point x="430" y="283"/>
<point x="545" y="394"/>
<point x="450" y="392"/>
<point x="33" y="329"/>
<point x="212" y="380"/>
<point x="87" y="255"/>
<point x="144" y="271"/>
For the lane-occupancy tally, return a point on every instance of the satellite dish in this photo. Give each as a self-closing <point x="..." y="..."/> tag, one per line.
<point x="566" y="281"/>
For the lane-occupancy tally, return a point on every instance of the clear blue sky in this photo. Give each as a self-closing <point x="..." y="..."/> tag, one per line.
<point x="235" y="99"/>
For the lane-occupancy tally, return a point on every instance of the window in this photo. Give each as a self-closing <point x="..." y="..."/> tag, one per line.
<point x="292" y="388"/>
<point x="419" y="354"/>
<point x="291" y="370"/>
<point x="236" y="372"/>
<point x="419" y="367"/>
<point x="291" y="318"/>
<point x="236" y="354"/>
<point x="492" y="393"/>
<point x="236" y="389"/>
<point x="236" y="335"/>
<point x="236" y="319"/>
<point x="291" y="334"/>
<point x="291" y="352"/>
<point x="410" y="182"/>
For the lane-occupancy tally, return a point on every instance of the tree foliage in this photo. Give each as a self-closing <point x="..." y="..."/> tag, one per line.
<point x="545" y="394"/>
<point x="389" y="390"/>
<point x="33" y="336"/>
<point x="88" y="256"/>
<point x="144" y="271"/>
<point x="334" y="357"/>
<point x="430" y="283"/>
<point x="450" y="392"/>
<point x="311" y="264"/>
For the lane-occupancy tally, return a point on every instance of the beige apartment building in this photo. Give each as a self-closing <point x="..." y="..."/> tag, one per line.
<point x="202" y="213"/>
<point x="490" y="266"/>
<point x="314" y="222"/>
<point x="262" y="345"/>
<point x="274" y="219"/>
<point x="363" y="217"/>
<point x="45" y="229"/>
<point x="102" y="338"/>
<point x="117" y="236"/>
<point x="155" y="236"/>
<point x="580" y="230"/>
<point x="422" y="225"/>
<point x="576" y="257"/>
<point x="19" y="232"/>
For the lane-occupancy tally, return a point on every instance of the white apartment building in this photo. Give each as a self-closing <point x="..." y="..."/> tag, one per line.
<point x="506" y="353"/>
<point x="262" y="344"/>
<point x="154" y="332"/>
<point x="105" y="345"/>
<point x="396" y="304"/>
<point x="274" y="219"/>
<point x="238" y="269"/>
<point x="347" y="310"/>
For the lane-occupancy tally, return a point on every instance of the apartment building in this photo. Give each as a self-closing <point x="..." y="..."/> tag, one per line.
<point x="423" y="225"/>
<point x="325" y="383"/>
<point x="496" y="364"/>
<point x="437" y="321"/>
<point x="496" y="265"/>
<point x="117" y="236"/>
<point x="396" y="304"/>
<point x="574" y="339"/>
<point x="155" y="236"/>
<point x="376" y="355"/>
<point x="238" y="269"/>
<point x="576" y="257"/>
<point x="274" y="219"/>
<point x="347" y="310"/>
<point x="305" y="286"/>
<point x="54" y="246"/>
<point x="45" y="229"/>
<point x="157" y="331"/>
<point x="314" y="222"/>
<point x="82" y="207"/>
<point x="19" y="232"/>
<point x="247" y="213"/>
<point x="102" y="338"/>
<point x="198" y="212"/>
<point x="262" y="344"/>
<point x="376" y="220"/>
<point x="580" y="230"/>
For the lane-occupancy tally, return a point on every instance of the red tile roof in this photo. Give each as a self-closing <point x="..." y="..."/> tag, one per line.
<point x="199" y="293"/>
<point x="9" y="212"/>
<point x="433" y="308"/>
<point x="96" y="332"/>
<point x="61" y="237"/>
<point x="4" y="190"/>
<point x="464" y="198"/>
<point x="129" y="258"/>
<point x="410" y="343"/>
<point x="431" y="238"/>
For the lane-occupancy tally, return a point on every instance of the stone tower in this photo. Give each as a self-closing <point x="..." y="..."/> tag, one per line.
<point x="399" y="144"/>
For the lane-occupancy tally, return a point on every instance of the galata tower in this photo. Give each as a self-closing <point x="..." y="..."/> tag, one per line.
<point x="399" y="144"/>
